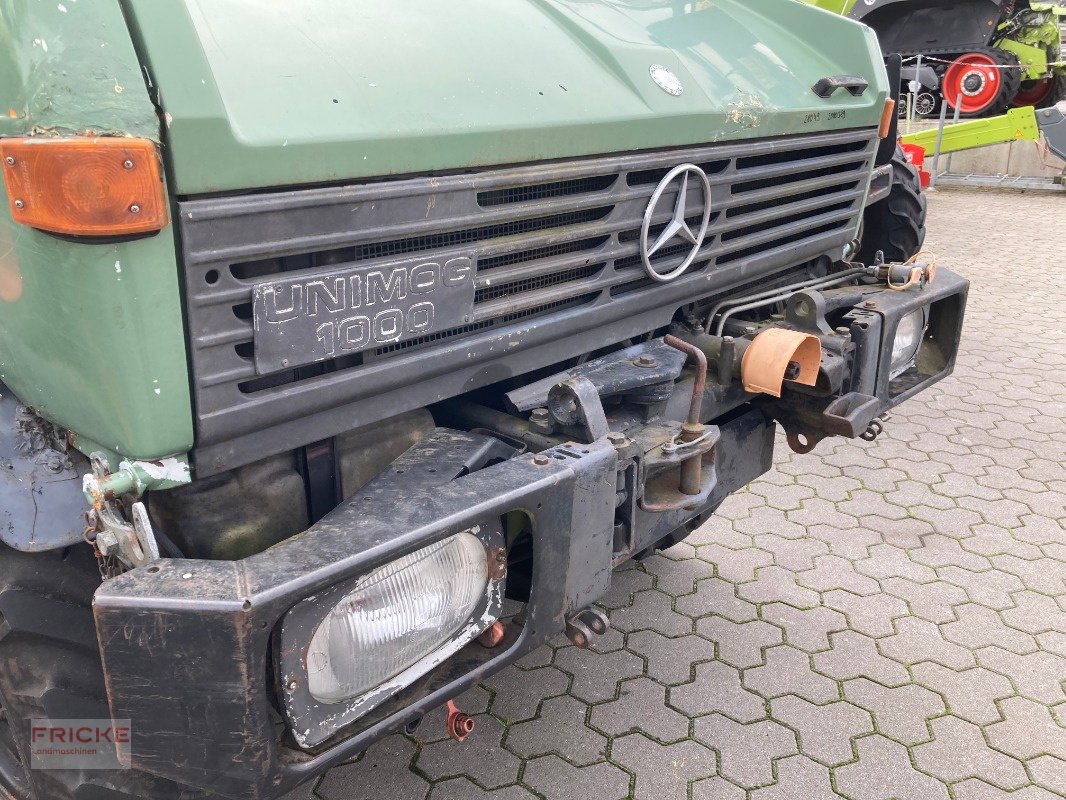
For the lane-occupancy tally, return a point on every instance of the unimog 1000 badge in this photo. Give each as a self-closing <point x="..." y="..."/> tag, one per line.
<point x="304" y="320"/>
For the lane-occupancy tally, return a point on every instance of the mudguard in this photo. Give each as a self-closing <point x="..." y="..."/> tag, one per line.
<point x="41" y="504"/>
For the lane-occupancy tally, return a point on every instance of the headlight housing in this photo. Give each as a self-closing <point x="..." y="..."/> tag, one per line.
<point x="908" y="340"/>
<point x="351" y="648"/>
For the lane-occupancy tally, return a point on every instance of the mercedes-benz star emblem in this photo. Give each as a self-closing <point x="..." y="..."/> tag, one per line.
<point x="666" y="79"/>
<point x="677" y="227"/>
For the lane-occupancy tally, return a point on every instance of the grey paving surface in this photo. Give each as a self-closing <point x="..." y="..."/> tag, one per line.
<point x="869" y="621"/>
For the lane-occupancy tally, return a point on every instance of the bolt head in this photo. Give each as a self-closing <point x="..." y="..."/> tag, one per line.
<point x="10" y="161"/>
<point x="645" y="361"/>
<point x="616" y="438"/>
<point x="19" y="204"/>
<point x="541" y="460"/>
<point x="127" y="164"/>
<point x="843" y="330"/>
<point x="539" y="415"/>
<point x="135" y="209"/>
<point x="869" y="304"/>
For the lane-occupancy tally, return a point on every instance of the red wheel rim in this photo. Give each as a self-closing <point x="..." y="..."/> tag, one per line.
<point x="973" y="76"/>
<point x="1035" y="94"/>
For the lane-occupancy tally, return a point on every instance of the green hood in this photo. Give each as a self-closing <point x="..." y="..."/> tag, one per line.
<point x="259" y="93"/>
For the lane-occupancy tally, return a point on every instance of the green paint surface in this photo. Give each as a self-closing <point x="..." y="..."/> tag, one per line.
<point x="90" y="334"/>
<point x="324" y="91"/>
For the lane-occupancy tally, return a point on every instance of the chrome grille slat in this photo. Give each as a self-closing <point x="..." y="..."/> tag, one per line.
<point x="543" y="235"/>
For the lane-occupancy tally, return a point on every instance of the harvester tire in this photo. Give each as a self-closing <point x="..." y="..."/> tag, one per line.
<point x="50" y="669"/>
<point x="988" y="81"/>
<point x="1044" y="93"/>
<point x="896" y="224"/>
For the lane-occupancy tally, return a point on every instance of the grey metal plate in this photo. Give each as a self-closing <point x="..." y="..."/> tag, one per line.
<point x="317" y="317"/>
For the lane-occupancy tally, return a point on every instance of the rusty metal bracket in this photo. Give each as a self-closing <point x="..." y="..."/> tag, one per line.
<point x="585" y="625"/>
<point x="576" y="404"/>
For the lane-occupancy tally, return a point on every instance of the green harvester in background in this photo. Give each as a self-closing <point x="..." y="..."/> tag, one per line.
<point x="983" y="56"/>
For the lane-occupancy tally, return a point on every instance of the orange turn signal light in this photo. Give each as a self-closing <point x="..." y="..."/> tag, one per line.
<point x="85" y="186"/>
<point x="886" y="118"/>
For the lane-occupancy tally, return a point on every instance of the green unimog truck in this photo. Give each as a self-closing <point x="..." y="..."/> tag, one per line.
<point x="346" y="348"/>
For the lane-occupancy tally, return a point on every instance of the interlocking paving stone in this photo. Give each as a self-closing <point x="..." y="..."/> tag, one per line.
<point x="382" y="771"/>
<point x="624" y="586"/>
<point x="560" y="719"/>
<point x="989" y="587"/>
<point x="918" y="640"/>
<point x="1037" y="675"/>
<point x="597" y="675"/>
<point x="517" y="693"/>
<point x="834" y="572"/>
<point x="793" y="554"/>
<point x="652" y="610"/>
<point x="978" y="626"/>
<point x="735" y="565"/>
<point x="958" y="751"/>
<point x="777" y="583"/>
<point x="855" y="655"/>
<point x="825" y="732"/>
<point x="463" y="788"/>
<point x="1028" y="730"/>
<point x="807" y="629"/>
<point x="871" y="615"/>
<point x="716" y="788"/>
<point x="747" y="751"/>
<point x="663" y="772"/>
<point x="788" y="671"/>
<point x="555" y="779"/>
<point x="884" y="772"/>
<point x="479" y="757"/>
<point x="677" y="577"/>
<point x="719" y="596"/>
<point x="641" y="706"/>
<point x="975" y="789"/>
<point x="717" y="687"/>
<point x="798" y="777"/>
<point x="1049" y="772"/>
<point x="971" y="694"/>
<point x="1034" y="613"/>
<point x="670" y="661"/>
<point x="739" y="645"/>
<point x="854" y="588"/>
<point x="900" y="713"/>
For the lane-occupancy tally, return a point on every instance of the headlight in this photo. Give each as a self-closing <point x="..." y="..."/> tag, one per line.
<point x="395" y="617"/>
<point x="909" y="335"/>
<point x="382" y="632"/>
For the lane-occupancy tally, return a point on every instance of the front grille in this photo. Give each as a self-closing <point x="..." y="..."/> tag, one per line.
<point x="549" y="239"/>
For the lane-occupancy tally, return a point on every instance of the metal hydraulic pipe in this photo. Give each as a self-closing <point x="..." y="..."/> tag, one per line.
<point x="773" y="294"/>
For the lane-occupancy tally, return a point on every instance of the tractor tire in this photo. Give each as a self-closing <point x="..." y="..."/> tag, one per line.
<point x="988" y="81"/>
<point x="50" y="669"/>
<point x="896" y="224"/>
<point x="1042" y="94"/>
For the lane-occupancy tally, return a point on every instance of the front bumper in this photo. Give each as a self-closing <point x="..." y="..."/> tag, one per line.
<point x="190" y="648"/>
